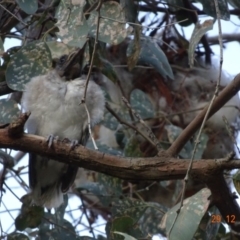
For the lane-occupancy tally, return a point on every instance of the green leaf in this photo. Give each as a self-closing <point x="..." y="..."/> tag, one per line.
<point x="110" y="121"/>
<point x="128" y="207"/>
<point x="31" y="60"/>
<point x="130" y="10"/>
<point x="236" y="181"/>
<point x="125" y="225"/>
<point x="201" y="146"/>
<point x="132" y="148"/>
<point x="73" y="28"/>
<point x="112" y="184"/>
<point x="106" y="68"/>
<point x="8" y="111"/>
<point x="110" y="188"/>
<point x="86" y="56"/>
<point x="234" y="3"/>
<point x="126" y="236"/>
<point x="112" y="27"/>
<point x="134" y="48"/>
<point x="198" y="32"/>
<point x="210" y="9"/>
<point x="106" y="189"/>
<point x="182" y="18"/>
<point x="140" y="102"/>
<point x="28" y="6"/>
<point x="30" y="216"/>
<point x="153" y="55"/>
<point x="173" y="132"/>
<point x="190" y="216"/>
<point x="58" y="49"/>
<point x="65" y="232"/>
<point x="17" y="236"/>
<point x="149" y="222"/>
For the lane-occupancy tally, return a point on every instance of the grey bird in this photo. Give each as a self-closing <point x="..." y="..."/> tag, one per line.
<point x="56" y="110"/>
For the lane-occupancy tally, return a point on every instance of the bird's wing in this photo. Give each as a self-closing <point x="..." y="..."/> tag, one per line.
<point x="32" y="176"/>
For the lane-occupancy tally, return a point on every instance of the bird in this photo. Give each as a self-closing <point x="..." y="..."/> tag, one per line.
<point x="55" y="109"/>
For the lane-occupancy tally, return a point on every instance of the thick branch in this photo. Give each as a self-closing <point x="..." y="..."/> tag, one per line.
<point x="157" y="168"/>
<point x="223" y="198"/>
<point x="225" y="95"/>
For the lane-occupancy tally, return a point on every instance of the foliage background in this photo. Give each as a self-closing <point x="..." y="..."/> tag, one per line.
<point x="136" y="209"/>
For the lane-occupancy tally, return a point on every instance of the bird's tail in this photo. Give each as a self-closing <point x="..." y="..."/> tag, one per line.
<point x="51" y="197"/>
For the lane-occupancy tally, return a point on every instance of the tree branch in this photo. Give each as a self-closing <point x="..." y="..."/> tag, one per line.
<point x="155" y="168"/>
<point x="145" y="169"/>
<point x="225" y="95"/>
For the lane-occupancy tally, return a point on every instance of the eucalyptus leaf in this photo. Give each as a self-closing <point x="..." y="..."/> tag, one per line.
<point x="111" y="122"/>
<point x="17" y="236"/>
<point x="31" y="60"/>
<point x="210" y="8"/>
<point x="126" y="236"/>
<point x="173" y="132"/>
<point x="234" y="3"/>
<point x="58" y="49"/>
<point x="73" y="27"/>
<point x="152" y="55"/>
<point x="127" y="226"/>
<point x="130" y="10"/>
<point x="190" y="216"/>
<point x="149" y="222"/>
<point x="28" y="6"/>
<point x="236" y="181"/>
<point x="140" y="102"/>
<point x="198" y="32"/>
<point x="201" y="146"/>
<point x="112" y="27"/>
<point x="132" y="148"/>
<point x="30" y="217"/>
<point x="128" y="207"/>
<point x="134" y="48"/>
<point x="65" y="232"/>
<point x="9" y="111"/>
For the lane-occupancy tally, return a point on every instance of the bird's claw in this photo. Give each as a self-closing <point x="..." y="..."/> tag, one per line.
<point x="74" y="143"/>
<point x="50" y="140"/>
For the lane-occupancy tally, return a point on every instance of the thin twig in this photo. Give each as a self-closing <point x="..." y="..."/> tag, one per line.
<point x="94" y="50"/>
<point x="13" y="15"/>
<point x="197" y="141"/>
<point x="148" y="129"/>
<point x="89" y="222"/>
<point x="89" y="73"/>
<point x="121" y="121"/>
<point x="89" y="127"/>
